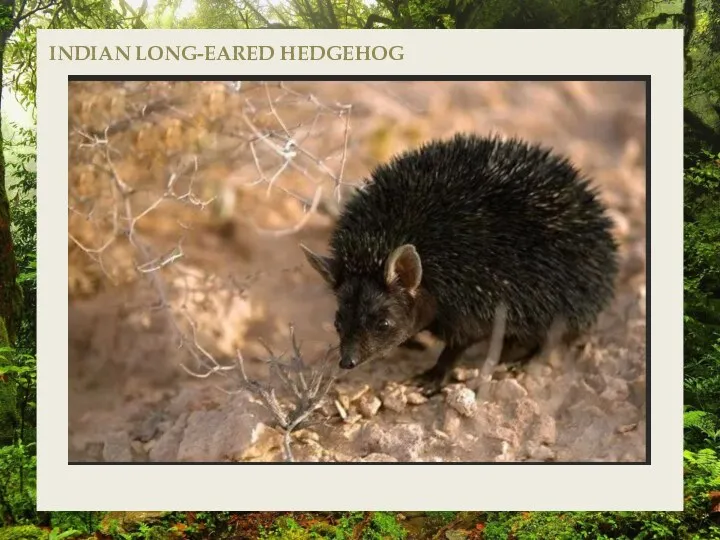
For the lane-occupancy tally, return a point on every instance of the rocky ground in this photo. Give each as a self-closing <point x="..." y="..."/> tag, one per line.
<point x="130" y="400"/>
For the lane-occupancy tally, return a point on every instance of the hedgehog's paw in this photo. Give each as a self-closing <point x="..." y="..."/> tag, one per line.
<point x="428" y="383"/>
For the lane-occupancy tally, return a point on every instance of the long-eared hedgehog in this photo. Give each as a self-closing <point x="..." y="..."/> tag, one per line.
<point x="443" y="234"/>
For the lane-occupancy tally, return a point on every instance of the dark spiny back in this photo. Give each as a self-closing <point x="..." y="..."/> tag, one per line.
<point x="492" y="221"/>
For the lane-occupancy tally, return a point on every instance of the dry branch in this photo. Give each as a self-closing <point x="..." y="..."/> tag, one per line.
<point x="306" y="385"/>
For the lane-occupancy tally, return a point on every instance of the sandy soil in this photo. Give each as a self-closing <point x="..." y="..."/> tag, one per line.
<point x="147" y="157"/>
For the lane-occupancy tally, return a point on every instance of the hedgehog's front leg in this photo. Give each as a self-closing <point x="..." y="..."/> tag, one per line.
<point x="432" y="380"/>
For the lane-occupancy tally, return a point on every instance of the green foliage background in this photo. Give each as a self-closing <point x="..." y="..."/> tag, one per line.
<point x="701" y="21"/>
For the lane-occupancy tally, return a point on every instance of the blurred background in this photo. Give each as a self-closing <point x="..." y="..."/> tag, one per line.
<point x="187" y="202"/>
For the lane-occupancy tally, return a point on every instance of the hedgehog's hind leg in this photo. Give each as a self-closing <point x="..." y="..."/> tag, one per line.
<point x="520" y="353"/>
<point x="538" y="346"/>
<point x="517" y="353"/>
<point x="432" y="380"/>
<point x="527" y="355"/>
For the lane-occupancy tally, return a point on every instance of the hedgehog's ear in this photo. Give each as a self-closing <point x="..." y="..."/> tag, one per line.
<point x="403" y="265"/>
<point x="325" y="266"/>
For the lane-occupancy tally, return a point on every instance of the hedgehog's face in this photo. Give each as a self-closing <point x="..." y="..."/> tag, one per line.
<point x="374" y="315"/>
<point x="371" y="320"/>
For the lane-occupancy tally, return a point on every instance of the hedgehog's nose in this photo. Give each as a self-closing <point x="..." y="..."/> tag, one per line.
<point x="348" y="361"/>
<point x="348" y="356"/>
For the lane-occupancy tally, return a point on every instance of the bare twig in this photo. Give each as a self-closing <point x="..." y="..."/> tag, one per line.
<point x="306" y="397"/>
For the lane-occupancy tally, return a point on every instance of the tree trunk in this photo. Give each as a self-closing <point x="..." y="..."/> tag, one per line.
<point x="8" y="276"/>
<point x="8" y="267"/>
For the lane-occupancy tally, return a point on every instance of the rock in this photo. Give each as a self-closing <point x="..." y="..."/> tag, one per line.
<point x="509" y="390"/>
<point x="311" y="451"/>
<point x="462" y="399"/>
<point x="351" y="431"/>
<point x="620" y="222"/>
<point x="626" y="428"/>
<point x="404" y="442"/>
<point x="635" y="261"/>
<point x="166" y="447"/>
<point x="642" y="302"/>
<point x="542" y="453"/>
<point x="462" y="374"/>
<point x="117" y="447"/>
<point x="225" y="433"/>
<point x="394" y="398"/>
<point x="342" y="411"/>
<point x="616" y="390"/>
<point x="264" y="441"/>
<point x="212" y="428"/>
<point x="631" y="455"/>
<point x="504" y="434"/>
<point x="94" y="451"/>
<point x="624" y="412"/>
<point x="585" y="414"/>
<point x="352" y="391"/>
<point x="596" y="382"/>
<point x="637" y="391"/>
<point x="328" y="408"/>
<point x="341" y="457"/>
<point x="581" y="392"/>
<point x="138" y="448"/>
<point x="305" y="435"/>
<point x="358" y="393"/>
<point x="369" y="405"/>
<point x="188" y="399"/>
<point x="220" y="434"/>
<point x="416" y="398"/>
<point x="149" y="427"/>
<point x="525" y="410"/>
<point x="456" y="535"/>
<point x="344" y="401"/>
<point x="544" y="430"/>
<point x="545" y="371"/>
<point x="536" y="388"/>
<point x="452" y="423"/>
<point x="377" y="457"/>
<point x="483" y="387"/>
<point x="372" y="434"/>
<point x="490" y="414"/>
<point x="353" y="418"/>
<point x="507" y="453"/>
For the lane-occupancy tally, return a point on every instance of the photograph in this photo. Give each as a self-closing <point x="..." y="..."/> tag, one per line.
<point x="358" y="270"/>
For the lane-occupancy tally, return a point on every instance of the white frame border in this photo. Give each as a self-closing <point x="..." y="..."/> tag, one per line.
<point x="658" y="486"/>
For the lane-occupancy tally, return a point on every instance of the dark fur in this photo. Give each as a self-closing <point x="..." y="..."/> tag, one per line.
<point x="491" y="221"/>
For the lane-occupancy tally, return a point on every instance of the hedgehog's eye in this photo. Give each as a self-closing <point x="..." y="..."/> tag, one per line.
<point x="338" y="326"/>
<point x="383" y="324"/>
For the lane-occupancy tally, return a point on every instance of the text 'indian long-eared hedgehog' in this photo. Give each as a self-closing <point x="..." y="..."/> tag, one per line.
<point x="445" y="233"/>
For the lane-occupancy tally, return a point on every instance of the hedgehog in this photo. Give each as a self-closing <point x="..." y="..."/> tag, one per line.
<point x="442" y="235"/>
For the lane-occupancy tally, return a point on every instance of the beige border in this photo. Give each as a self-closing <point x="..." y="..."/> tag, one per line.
<point x="373" y="487"/>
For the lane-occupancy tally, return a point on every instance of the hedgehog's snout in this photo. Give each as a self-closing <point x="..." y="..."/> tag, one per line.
<point x="349" y="356"/>
<point x="348" y="362"/>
